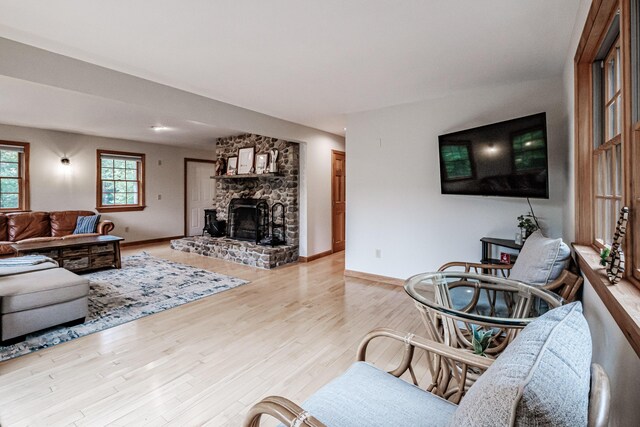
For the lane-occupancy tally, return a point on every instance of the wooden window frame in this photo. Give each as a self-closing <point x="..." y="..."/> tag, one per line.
<point x="622" y="299"/>
<point x="23" y="177"/>
<point x="141" y="193"/>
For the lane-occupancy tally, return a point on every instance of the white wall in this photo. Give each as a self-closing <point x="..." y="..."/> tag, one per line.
<point x="610" y="347"/>
<point x="54" y="187"/>
<point x="393" y="185"/>
<point x="315" y="194"/>
<point x="612" y="350"/>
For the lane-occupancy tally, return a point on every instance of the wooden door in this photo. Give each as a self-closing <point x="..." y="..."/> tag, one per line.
<point x="338" y="199"/>
<point x="200" y="190"/>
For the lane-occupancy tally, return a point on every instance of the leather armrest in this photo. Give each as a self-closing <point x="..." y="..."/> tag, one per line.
<point x="105" y="227"/>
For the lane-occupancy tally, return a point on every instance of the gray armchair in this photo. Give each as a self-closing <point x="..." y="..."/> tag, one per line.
<point x="545" y="377"/>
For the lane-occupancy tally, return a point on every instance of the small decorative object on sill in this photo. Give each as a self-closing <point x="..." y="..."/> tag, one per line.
<point x="480" y="339"/>
<point x="615" y="259"/>
<point x="221" y="166"/>
<point x="604" y="254"/>
<point x="273" y="165"/>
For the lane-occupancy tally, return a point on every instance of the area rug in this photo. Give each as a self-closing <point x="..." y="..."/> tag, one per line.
<point x="143" y="286"/>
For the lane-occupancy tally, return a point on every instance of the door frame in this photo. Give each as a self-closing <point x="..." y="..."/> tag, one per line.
<point x="344" y="153"/>
<point x="186" y="164"/>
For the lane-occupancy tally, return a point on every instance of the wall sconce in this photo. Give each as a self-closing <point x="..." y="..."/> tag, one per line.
<point x="65" y="161"/>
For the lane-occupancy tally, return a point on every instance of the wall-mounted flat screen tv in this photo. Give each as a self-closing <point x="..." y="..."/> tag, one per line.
<point x="502" y="159"/>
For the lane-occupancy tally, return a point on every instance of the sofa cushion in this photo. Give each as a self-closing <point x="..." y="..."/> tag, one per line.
<point x="87" y="224"/>
<point x="24" y="225"/>
<point x="541" y="260"/>
<point x="3" y="228"/>
<point x="542" y="378"/>
<point x="40" y="288"/>
<point x="366" y="396"/>
<point x="64" y="222"/>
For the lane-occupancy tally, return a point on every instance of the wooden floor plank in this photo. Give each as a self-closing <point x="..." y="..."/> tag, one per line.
<point x="288" y="332"/>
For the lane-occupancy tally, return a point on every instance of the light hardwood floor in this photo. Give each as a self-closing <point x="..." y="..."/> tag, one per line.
<point x="288" y="332"/>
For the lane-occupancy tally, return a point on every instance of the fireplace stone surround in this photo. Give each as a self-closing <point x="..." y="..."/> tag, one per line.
<point x="283" y="188"/>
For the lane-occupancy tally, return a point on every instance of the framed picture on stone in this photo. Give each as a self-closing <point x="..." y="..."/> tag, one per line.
<point x="245" y="160"/>
<point x="232" y="165"/>
<point x="262" y="160"/>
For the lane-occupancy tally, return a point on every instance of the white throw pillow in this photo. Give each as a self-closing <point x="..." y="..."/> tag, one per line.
<point x="541" y="260"/>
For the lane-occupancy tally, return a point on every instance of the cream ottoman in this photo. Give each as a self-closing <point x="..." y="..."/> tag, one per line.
<point x="39" y="297"/>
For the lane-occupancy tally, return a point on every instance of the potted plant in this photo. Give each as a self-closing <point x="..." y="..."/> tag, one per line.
<point x="528" y="224"/>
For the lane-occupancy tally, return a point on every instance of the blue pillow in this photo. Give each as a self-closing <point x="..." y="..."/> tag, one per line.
<point x="87" y="224"/>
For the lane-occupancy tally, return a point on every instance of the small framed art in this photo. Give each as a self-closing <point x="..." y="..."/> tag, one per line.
<point x="262" y="161"/>
<point x="232" y="165"/>
<point x="245" y="160"/>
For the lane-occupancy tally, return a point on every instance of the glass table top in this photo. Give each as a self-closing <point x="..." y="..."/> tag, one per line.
<point x="483" y="299"/>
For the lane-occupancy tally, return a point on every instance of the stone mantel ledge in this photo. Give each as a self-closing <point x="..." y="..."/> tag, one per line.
<point x="622" y="299"/>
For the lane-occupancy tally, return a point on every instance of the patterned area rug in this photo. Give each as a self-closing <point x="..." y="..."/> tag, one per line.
<point x="145" y="285"/>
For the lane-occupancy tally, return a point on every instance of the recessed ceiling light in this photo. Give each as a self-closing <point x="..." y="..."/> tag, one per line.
<point x="345" y="128"/>
<point x="160" y="128"/>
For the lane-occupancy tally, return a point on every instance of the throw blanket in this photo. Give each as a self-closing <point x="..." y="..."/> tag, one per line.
<point x="25" y="261"/>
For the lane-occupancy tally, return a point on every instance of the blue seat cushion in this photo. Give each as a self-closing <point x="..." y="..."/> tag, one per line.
<point x="367" y="396"/>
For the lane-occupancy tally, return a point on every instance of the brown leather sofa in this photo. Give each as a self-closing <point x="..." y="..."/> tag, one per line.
<point x="43" y="226"/>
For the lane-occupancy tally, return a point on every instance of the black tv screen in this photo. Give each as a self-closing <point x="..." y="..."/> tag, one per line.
<point x="502" y="159"/>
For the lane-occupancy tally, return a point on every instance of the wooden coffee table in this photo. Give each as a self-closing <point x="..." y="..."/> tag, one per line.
<point x="79" y="254"/>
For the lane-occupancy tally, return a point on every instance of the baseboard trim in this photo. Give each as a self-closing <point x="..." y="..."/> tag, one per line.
<point x="374" y="277"/>
<point x="315" y="257"/>
<point x="146" y="242"/>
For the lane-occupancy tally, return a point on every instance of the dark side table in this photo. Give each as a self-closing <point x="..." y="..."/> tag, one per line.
<point x="489" y="242"/>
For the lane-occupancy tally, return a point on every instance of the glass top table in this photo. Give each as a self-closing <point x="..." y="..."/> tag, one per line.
<point x="481" y="299"/>
<point x="455" y="304"/>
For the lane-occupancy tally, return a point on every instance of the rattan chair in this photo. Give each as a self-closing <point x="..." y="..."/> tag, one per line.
<point x="461" y="361"/>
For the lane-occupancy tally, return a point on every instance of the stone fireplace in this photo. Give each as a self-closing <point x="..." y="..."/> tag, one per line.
<point x="246" y="203"/>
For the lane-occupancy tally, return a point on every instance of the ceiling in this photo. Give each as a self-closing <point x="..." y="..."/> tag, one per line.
<point x="310" y="62"/>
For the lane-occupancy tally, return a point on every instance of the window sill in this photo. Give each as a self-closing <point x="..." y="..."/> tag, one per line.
<point x="103" y="209"/>
<point x="622" y="299"/>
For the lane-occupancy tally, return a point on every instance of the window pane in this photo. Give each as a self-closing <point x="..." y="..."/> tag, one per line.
<point x="131" y="174"/>
<point x="107" y="198"/>
<point x="607" y="173"/>
<point x="608" y="223"/>
<point x="108" y="186"/>
<point x="119" y="164"/>
<point x="121" y="198"/>
<point x="132" y="199"/>
<point x="119" y="174"/>
<point x="9" y="185"/>
<point x="618" y="175"/>
<point x="121" y="187"/>
<point x="598" y="220"/>
<point x="611" y="79"/>
<point x="9" y="201"/>
<point x="618" y="113"/>
<point x="107" y="173"/>
<point x="132" y="164"/>
<point x="132" y="187"/>
<point x="612" y="120"/>
<point x="9" y="156"/>
<point x="617" y="68"/>
<point x="106" y="163"/>
<point x="9" y="169"/>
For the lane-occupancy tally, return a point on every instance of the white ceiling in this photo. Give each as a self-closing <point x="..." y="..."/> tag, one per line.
<point x="310" y="62"/>
<point x="28" y="104"/>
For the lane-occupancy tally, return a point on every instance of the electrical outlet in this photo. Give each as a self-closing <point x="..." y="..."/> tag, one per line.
<point x="159" y="196"/>
<point x="126" y="229"/>
<point x="159" y="162"/>
<point x="378" y="253"/>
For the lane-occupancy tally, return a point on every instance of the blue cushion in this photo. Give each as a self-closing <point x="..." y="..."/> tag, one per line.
<point x="541" y="379"/>
<point x="87" y="224"/>
<point x="367" y="396"/>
